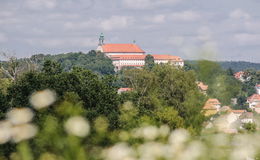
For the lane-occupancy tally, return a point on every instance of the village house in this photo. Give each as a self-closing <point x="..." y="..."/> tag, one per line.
<point x="211" y="107"/>
<point x="202" y="87"/>
<point x="239" y="76"/>
<point x="122" y="90"/>
<point x="253" y="101"/>
<point x="131" y="55"/>
<point x="257" y="88"/>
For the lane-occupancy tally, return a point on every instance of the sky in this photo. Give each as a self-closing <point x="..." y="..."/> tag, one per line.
<point x="192" y="29"/>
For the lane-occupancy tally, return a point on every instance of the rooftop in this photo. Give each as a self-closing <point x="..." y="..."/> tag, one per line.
<point x="254" y="97"/>
<point x="121" y="48"/>
<point x="210" y="104"/>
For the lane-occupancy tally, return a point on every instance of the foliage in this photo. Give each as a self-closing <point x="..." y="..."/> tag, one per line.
<point x="98" y="93"/>
<point x="235" y="66"/>
<point x="149" y="62"/>
<point x="250" y="127"/>
<point x="167" y="89"/>
<point x="222" y="84"/>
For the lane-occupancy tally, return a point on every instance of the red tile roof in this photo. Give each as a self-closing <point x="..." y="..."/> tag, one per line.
<point x="121" y="48"/>
<point x="210" y="104"/>
<point x="238" y="75"/>
<point x="238" y="111"/>
<point x="142" y="57"/>
<point x="254" y="97"/>
<point x="166" y="57"/>
<point x="124" y="89"/>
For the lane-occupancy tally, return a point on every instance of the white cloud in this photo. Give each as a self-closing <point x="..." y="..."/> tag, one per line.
<point x="239" y="14"/>
<point x="252" y="26"/>
<point x="147" y="4"/>
<point x="41" y="4"/>
<point x="247" y="39"/>
<point x="177" y="41"/>
<point x="160" y="18"/>
<point x="63" y="42"/>
<point x="5" y="13"/>
<point x="3" y="38"/>
<point x="81" y="25"/>
<point x="204" y="34"/>
<point x="116" y="22"/>
<point x="185" y="16"/>
<point x="107" y="24"/>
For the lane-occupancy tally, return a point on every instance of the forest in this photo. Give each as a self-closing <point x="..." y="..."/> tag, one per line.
<point x="67" y="107"/>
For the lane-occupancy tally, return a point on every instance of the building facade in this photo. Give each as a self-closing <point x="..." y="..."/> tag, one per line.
<point x="131" y="55"/>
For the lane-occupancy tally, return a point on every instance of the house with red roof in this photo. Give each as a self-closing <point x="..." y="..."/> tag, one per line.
<point x="253" y="101"/>
<point x="131" y="55"/>
<point x="122" y="90"/>
<point x="239" y="76"/>
<point x="211" y="107"/>
<point x="257" y="88"/>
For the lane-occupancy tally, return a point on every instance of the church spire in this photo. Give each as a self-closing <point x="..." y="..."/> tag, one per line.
<point x="101" y="39"/>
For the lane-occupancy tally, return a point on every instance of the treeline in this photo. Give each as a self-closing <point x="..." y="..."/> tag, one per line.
<point x="236" y="66"/>
<point x="96" y="62"/>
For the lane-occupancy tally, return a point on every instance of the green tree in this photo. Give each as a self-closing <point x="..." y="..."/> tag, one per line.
<point x="149" y="62"/>
<point x="165" y="86"/>
<point x="51" y="67"/>
<point x="250" y="127"/>
<point x="98" y="94"/>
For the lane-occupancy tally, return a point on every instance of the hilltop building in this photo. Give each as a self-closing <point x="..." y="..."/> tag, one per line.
<point x="131" y="55"/>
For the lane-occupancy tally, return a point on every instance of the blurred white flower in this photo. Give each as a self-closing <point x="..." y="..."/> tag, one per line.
<point x="150" y="132"/>
<point x="244" y="147"/>
<point x="178" y="137"/>
<point x="5" y="131"/>
<point x="119" y="151"/>
<point x="152" y="151"/>
<point x="42" y="99"/>
<point x="220" y="140"/>
<point x="19" y="116"/>
<point x="77" y="126"/>
<point x="194" y="150"/>
<point x="164" y="130"/>
<point x="23" y="132"/>
<point x="147" y="132"/>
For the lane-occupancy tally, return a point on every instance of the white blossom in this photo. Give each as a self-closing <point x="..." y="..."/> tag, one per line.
<point x="42" y="99"/>
<point x="178" y="137"/>
<point x="164" y="130"/>
<point x="19" y="116"/>
<point x="23" y="132"/>
<point x="77" y="126"/>
<point x="119" y="151"/>
<point x="5" y="131"/>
